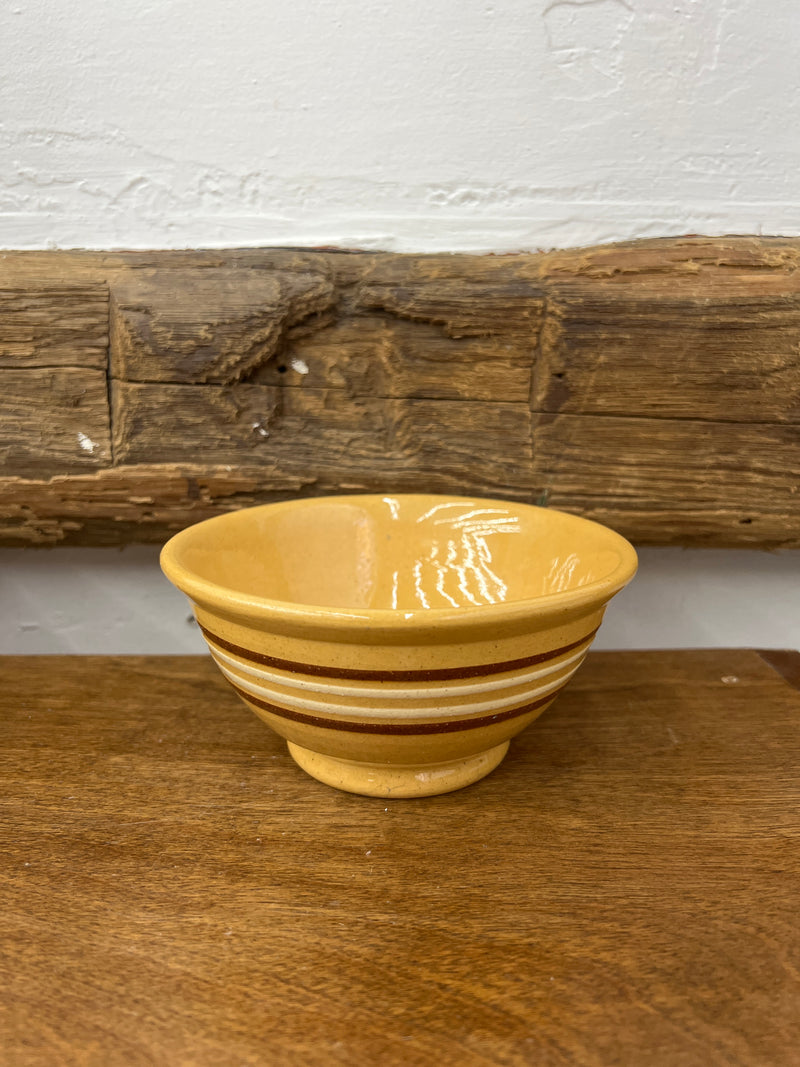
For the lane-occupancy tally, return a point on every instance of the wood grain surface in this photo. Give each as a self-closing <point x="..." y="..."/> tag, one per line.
<point x="654" y="385"/>
<point x="622" y="890"/>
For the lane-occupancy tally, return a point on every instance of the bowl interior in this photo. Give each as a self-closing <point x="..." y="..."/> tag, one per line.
<point x="401" y="552"/>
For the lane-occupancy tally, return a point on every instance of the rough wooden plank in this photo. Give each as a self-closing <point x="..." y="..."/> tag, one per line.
<point x="222" y="326"/>
<point x="383" y="356"/>
<point x="676" y="257"/>
<point x="673" y="348"/>
<point x="467" y="296"/>
<point x="214" y="326"/>
<point x="327" y="435"/>
<point x="621" y="890"/>
<point x="184" y="423"/>
<point x="53" y="393"/>
<point x="54" y="326"/>
<point x="53" y="420"/>
<point x="132" y="503"/>
<point x="317" y="371"/>
<point x="667" y="481"/>
<point x="317" y="447"/>
<point x="34" y="270"/>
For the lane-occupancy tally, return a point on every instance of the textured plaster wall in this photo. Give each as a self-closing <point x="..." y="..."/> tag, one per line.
<point x="482" y="125"/>
<point x="423" y="125"/>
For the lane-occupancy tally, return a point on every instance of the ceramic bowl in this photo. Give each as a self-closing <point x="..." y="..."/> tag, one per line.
<point x="398" y="642"/>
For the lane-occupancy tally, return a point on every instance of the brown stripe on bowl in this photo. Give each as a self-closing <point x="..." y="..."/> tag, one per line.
<point x="425" y="675"/>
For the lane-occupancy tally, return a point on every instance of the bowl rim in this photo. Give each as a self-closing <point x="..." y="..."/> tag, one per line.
<point x="287" y="614"/>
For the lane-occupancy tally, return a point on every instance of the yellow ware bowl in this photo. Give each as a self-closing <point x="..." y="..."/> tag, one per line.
<point x="398" y="642"/>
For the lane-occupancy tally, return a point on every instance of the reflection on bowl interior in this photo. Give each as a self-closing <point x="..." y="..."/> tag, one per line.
<point x="403" y="552"/>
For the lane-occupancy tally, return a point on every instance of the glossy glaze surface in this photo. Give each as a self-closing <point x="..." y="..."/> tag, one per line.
<point x="399" y="553"/>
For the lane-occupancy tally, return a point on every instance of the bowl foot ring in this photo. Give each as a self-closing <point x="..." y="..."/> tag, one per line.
<point x="394" y="780"/>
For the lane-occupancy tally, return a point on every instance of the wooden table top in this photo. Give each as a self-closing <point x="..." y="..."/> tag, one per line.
<point x="624" y="889"/>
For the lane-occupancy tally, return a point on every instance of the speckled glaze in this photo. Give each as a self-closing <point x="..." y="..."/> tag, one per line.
<point x="398" y="642"/>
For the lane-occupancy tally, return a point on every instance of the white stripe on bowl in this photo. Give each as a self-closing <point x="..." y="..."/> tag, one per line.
<point x="436" y="713"/>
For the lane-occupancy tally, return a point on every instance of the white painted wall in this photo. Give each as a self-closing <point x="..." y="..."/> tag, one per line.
<point x="483" y="125"/>
<point x="421" y="125"/>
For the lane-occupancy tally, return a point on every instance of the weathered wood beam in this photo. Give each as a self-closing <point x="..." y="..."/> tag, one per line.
<point x="674" y="481"/>
<point x="654" y="385"/>
<point x="54" y="414"/>
<point x="723" y="348"/>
